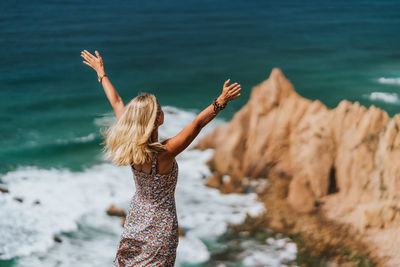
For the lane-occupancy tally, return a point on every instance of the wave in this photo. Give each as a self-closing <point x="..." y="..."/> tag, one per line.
<point x="72" y="205"/>
<point x="384" y="80"/>
<point x="265" y="255"/>
<point x="59" y="201"/>
<point x="45" y="150"/>
<point x="79" y="139"/>
<point x="383" y="97"/>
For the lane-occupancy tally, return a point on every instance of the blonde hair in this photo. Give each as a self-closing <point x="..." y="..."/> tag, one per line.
<point x="128" y="140"/>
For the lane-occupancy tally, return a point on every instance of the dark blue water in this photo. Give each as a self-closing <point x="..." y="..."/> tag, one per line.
<point x="182" y="51"/>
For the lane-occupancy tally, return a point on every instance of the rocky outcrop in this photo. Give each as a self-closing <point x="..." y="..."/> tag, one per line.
<point x="3" y="189"/>
<point x="114" y="211"/>
<point x="342" y="162"/>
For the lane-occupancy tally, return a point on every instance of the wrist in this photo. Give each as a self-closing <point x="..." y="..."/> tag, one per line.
<point x="221" y="101"/>
<point x="101" y="73"/>
<point x="101" y="76"/>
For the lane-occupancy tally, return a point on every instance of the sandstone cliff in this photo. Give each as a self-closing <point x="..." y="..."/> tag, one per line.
<point x="342" y="162"/>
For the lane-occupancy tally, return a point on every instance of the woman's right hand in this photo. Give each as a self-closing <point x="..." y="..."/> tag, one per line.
<point x="95" y="63"/>
<point x="229" y="92"/>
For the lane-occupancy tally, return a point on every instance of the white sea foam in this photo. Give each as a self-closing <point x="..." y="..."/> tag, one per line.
<point x="84" y="139"/>
<point x="384" y="80"/>
<point x="384" y="97"/>
<point x="74" y="203"/>
<point x="79" y="139"/>
<point x="277" y="252"/>
<point x="64" y="198"/>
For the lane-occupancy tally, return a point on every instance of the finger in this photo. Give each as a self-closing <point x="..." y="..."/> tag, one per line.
<point x="234" y="92"/>
<point x="226" y="82"/>
<point x="89" y="54"/>
<point x="87" y="63"/>
<point x="232" y="85"/>
<point x="236" y="96"/>
<point x="97" y="54"/>
<point x="86" y="57"/>
<point x="234" y="88"/>
<point x="85" y="52"/>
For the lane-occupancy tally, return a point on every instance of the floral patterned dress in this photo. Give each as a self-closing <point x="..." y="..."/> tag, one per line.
<point x="150" y="235"/>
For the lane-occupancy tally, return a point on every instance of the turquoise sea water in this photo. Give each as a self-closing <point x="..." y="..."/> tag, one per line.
<point x="52" y="107"/>
<point x="182" y="51"/>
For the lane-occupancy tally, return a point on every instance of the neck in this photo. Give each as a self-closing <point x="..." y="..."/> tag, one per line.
<point x="154" y="135"/>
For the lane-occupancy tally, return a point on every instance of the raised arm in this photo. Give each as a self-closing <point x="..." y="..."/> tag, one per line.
<point x="97" y="64"/>
<point x="182" y="140"/>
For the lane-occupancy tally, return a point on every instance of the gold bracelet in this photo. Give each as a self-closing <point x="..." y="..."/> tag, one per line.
<point x="100" y="79"/>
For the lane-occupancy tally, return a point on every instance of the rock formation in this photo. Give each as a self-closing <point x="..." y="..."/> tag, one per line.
<point x="3" y="189"/>
<point x="114" y="211"/>
<point x="343" y="162"/>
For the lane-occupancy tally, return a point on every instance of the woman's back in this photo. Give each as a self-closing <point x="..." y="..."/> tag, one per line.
<point x="156" y="186"/>
<point x="164" y="165"/>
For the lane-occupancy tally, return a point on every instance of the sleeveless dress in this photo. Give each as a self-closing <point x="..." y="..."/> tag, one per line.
<point x="150" y="235"/>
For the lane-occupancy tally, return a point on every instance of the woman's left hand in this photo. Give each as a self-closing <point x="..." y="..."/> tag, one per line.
<point x="95" y="62"/>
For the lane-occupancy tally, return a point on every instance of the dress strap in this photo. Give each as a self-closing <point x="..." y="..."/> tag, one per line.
<point x="154" y="164"/>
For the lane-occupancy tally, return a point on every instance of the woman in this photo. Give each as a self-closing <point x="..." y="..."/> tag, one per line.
<point x="150" y="235"/>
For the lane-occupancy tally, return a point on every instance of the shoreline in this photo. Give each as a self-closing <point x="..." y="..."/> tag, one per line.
<point x="333" y="243"/>
<point x="332" y="173"/>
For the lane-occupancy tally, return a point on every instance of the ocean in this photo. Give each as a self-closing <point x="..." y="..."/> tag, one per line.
<point x="52" y="108"/>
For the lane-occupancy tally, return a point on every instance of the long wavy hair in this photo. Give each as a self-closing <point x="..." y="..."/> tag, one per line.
<point x="128" y="140"/>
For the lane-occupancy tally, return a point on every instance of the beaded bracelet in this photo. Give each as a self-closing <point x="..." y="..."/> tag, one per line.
<point x="217" y="106"/>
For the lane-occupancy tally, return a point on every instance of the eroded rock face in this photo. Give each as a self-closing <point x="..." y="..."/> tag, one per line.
<point x="343" y="161"/>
